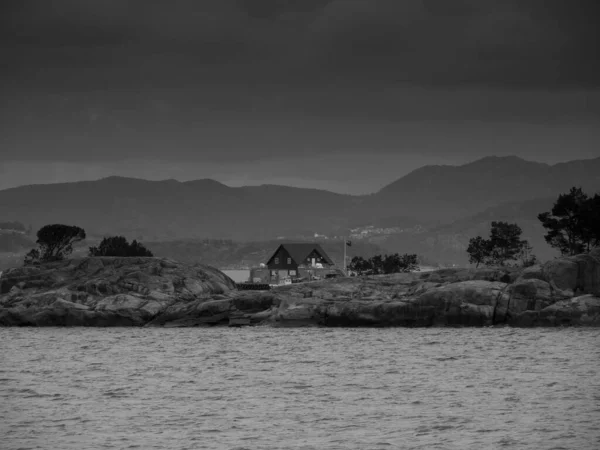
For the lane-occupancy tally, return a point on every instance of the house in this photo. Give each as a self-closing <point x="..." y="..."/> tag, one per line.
<point x="294" y="262"/>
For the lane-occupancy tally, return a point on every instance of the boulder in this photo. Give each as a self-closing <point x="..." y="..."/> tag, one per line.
<point x="529" y="294"/>
<point x="589" y="273"/>
<point x="196" y="313"/>
<point x="533" y="272"/>
<point x="583" y="310"/>
<point x="563" y="275"/>
<point x="577" y="311"/>
<point x="574" y="275"/>
<point x="378" y="314"/>
<point x="297" y="313"/>
<point x="466" y="303"/>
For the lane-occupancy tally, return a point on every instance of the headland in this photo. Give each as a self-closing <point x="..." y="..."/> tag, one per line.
<point x="159" y="292"/>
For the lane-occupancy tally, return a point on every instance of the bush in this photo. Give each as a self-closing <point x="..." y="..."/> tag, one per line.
<point x="118" y="246"/>
<point x="378" y="265"/>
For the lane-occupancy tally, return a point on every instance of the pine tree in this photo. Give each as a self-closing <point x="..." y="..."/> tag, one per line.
<point x="573" y="224"/>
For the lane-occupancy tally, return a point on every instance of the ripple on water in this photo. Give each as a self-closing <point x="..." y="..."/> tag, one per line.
<point x="262" y="388"/>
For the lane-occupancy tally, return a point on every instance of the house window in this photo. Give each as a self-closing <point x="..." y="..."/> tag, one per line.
<point x="293" y="273"/>
<point x="276" y="260"/>
<point x="289" y="260"/>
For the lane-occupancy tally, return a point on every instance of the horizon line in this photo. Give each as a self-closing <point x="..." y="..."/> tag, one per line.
<point x="95" y="180"/>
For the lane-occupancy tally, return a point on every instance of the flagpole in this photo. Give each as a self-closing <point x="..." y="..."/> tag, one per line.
<point x="344" y="243"/>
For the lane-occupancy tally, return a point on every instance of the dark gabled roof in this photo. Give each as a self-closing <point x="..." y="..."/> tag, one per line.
<point x="299" y="252"/>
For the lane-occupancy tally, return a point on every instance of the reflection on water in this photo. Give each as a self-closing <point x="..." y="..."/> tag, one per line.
<point x="263" y="388"/>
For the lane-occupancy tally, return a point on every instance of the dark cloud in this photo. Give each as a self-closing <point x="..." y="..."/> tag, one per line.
<point x="276" y="9"/>
<point x="461" y="43"/>
<point x="423" y="42"/>
<point x="217" y="80"/>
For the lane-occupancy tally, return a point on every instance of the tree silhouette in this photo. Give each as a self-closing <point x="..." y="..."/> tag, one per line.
<point x="478" y="250"/>
<point x="505" y="242"/>
<point x="54" y="243"/>
<point x="118" y="246"/>
<point x="504" y="245"/>
<point x="573" y="224"/>
<point x="378" y="264"/>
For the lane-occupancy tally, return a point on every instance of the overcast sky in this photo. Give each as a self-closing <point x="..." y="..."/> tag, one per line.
<point x="346" y="95"/>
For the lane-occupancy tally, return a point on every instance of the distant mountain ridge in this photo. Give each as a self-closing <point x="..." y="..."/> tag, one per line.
<point x="463" y="190"/>
<point x="440" y="198"/>
<point x="170" y="209"/>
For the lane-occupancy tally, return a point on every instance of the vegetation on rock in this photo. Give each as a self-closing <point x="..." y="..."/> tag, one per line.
<point x="118" y="246"/>
<point x="573" y="224"/>
<point x="478" y="250"/>
<point x="379" y="265"/>
<point x="54" y="243"/>
<point x="503" y="246"/>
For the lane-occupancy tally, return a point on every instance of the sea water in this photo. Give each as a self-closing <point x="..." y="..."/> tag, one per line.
<point x="239" y="276"/>
<point x="313" y="388"/>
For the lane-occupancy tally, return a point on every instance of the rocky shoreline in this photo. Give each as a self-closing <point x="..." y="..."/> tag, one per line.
<point x="158" y="292"/>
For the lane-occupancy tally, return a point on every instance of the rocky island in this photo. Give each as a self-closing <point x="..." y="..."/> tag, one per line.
<point x="159" y="292"/>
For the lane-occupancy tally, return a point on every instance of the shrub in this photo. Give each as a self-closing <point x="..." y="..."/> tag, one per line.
<point x="118" y="246"/>
<point x="386" y="264"/>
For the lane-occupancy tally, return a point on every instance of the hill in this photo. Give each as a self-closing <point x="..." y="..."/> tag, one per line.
<point x="449" y="193"/>
<point x="432" y="211"/>
<point x="170" y="209"/>
<point x="447" y="243"/>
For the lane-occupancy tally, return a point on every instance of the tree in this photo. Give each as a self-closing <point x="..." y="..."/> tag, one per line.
<point x="54" y="243"/>
<point x="404" y="263"/>
<point x="573" y="224"/>
<point x="378" y="264"/>
<point x="360" y="266"/>
<point x="478" y="250"/>
<point x="505" y="242"/>
<point x="504" y="245"/>
<point x="118" y="246"/>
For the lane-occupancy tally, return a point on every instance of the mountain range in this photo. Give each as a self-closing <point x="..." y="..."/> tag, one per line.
<point x="432" y="211"/>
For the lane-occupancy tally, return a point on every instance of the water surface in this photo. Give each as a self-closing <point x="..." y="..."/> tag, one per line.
<point x="239" y="276"/>
<point x="263" y="388"/>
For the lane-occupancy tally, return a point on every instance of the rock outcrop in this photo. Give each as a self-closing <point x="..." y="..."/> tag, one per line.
<point x="164" y="293"/>
<point x="104" y="291"/>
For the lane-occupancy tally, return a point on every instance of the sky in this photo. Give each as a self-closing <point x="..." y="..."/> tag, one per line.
<point x="344" y="95"/>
